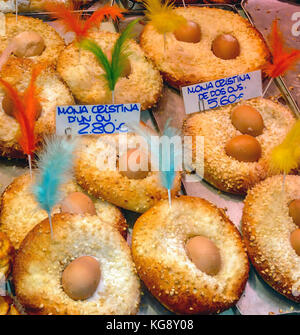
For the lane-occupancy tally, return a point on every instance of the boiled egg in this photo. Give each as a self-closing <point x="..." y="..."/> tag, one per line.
<point x="294" y="211"/>
<point x="8" y="107"/>
<point x="134" y="164"/>
<point x="81" y="277"/>
<point x="204" y="254"/>
<point x="189" y="32"/>
<point x="78" y="203"/>
<point x="247" y="120"/>
<point x="28" y="44"/>
<point x="244" y="148"/>
<point x="226" y="47"/>
<point x="295" y="241"/>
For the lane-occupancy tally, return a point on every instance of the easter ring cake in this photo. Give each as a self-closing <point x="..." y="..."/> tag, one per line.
<point x="268" y="228"/>
<point x="42" y="259"/>
<point x="51" y="92"/>
<point x="183" y="63"/>
<point x="216" y="126"/>
<point x="85" y="77"/>
<point x="17" y="221"/>
<point x="161" y="253"/>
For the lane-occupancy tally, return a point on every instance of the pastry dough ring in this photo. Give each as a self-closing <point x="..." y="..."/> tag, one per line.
<point x="223" y="171"/>
<point x="266" y="229"/>
<point x="183" y="63"/>
<point x="158" y="247"/>
<point x="41" y="260"/>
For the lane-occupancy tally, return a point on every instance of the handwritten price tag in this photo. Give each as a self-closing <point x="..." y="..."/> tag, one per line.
<point x="96" y="119"/>
<point x="222" y="92"/>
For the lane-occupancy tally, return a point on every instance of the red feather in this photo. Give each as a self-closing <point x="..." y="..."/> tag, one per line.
<point x="25" y="109"/>
<point x="283" y="57"/>
<point x="73" y="21"/>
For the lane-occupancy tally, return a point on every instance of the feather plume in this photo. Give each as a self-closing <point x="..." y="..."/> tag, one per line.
<point x="162" y="16"/>
<point x="283" y="57"/>
<point x="165" y="154"/>
<point x="25" y="109"/>
<point x="114" y="68"/>
<point x="53" y="164"/>
<point x="286" y="156"/>
<point x="73" y="21"/>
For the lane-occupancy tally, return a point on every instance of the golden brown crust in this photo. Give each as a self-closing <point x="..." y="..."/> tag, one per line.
<point x="9" y="6"/>
<point x="82" y="72"/>
<point x="7" y="307"/>
<point x="54" y="43"/>
<point x="41" y="260"/>
<point x="158" y="241"/>
<point x="266" y="227"/>
<point x="94" y="174"/>
<point x="223" y="171"/>
<point x="52" y="92"/>
<point x="184" y="63"/>
<point x="6" y="256"/>
<point x="17" y="221"/>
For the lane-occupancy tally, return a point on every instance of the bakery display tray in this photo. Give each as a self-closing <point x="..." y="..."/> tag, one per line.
<point x="258" y="297"/>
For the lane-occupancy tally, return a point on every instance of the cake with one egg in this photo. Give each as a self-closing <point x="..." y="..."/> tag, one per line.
<point x="85" y="268"/>
<point x="190" y="256"/>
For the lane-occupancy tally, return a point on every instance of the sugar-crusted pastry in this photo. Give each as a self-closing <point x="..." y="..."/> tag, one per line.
<point x="6" y="257"/>
<point x="97" y="171"/>
<point x="227" y="45"/>
<point x="223" y="141"/>
<point x="81" y="71"/>
<point x="51" y="91"/>
<point x="190" y="256"/>
<point x="268" y="229"/>
<point x="8" y="6"/>
<point x="20" y="212"/>
<point x="42" y="292"/>
<point x="45" y="37"/>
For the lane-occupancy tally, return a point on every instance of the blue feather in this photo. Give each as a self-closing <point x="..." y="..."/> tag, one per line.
<point x="53" y="164"/>
<point x="168" y="157"/>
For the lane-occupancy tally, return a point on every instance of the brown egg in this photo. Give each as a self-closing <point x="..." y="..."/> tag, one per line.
<point x="190" y="32"/>
<point x="204" y="254"/>
<point x="295" y="241"/>
<point x="244" y="148"/>
<point x="28" y="44"/>
<point x="134" y="157"/>
<point x="247" y="120"/>
<point x="8" y="107"/>
<point x="78" y="203"/>
<point x="226" y="47"/>
<point x="294" y="211"/>
<point x="127" y="65"/>
<point x="81" y="277"/>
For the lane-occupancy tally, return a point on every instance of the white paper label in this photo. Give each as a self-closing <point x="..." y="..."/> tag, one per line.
<point x="221" y="92"/>
<point x="96" y="119"/>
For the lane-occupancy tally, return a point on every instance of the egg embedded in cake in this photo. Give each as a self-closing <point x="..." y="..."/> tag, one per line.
<point x="116" y="168"/>
<point x="190" y="256"/>
<point x="30" y="37"/>
<point x="238" y="140"/>
<point x="20" y="211"/>
<point x="223" y="44"/>
<point x="51" y="92"/>
<point x="140" y="81"/>
<point x="271" y="232"/>
<point x="84" y="269"/>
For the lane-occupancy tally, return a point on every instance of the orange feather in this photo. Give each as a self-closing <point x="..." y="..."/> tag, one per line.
<point x="25" y="109"/>
<point x="283" y="57"/>
<point x="73" y="21"/>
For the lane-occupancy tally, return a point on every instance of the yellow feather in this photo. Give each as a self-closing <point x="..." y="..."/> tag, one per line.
<point x="162" y="16"/>
<point x="286" y="156"/>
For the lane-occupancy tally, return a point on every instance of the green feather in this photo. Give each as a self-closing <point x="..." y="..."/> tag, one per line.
<point x="114" y="69"/>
